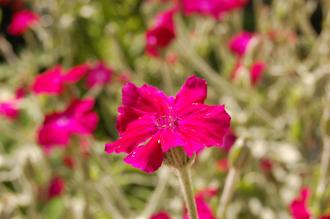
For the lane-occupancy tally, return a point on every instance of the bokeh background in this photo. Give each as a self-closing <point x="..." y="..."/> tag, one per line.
<point x="276" y="91"/>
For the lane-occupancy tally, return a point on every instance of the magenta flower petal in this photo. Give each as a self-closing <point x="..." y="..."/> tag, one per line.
<point x="160" y="215"/>
<point x="194" y="90"/>
<point x="56" y="187"/>
<point x="74" y="74"/>
<point x="77" y="119"/>
<point x="299" y="206"/>
<point x="136" y="133"/>
<point x="229" y="140"/>
<point x="148" y="157"/>
<point x="204" y="126"/>
<point x="161" y="34"/>
<point x="256" y="71"/>
<point x="171" y="139"/>
<point x="239" y="43"/>
<point x="140" y="101"/>
<point x="9" y="110"/>
<point x="80" y="107"/>
<point x="22" y="21"/>
<point x="100" y="74"/>
<point x="214" y="8"/>
<point x="49" y="82"/>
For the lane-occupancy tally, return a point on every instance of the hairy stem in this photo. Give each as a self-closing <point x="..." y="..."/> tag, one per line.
<point x="187" y="190"/>
<point x="227" y="192"/>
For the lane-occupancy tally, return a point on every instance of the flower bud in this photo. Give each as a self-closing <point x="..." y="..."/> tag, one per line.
<point x="177" y="158"/>
<point x="239" y="155"/>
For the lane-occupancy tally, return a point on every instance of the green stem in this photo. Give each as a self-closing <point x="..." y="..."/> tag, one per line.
<point x="227" y="192"/>
<point x="187" y="191"/>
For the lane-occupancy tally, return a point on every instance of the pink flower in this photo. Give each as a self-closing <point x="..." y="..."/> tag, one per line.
<point x="161" y="34"/>
<point x="256" y="71"/>
<point x="100" y="74"/>
<point x="203" y="210"/>
<point x="229" y="140"/>
<point x="239" y="43"/>
<point x="151" y="123"/>
<point x="266" y="164"/>
<point x="299" y="206"/>
<point x="160" y="215"/>
<point x="22" y="21"/>
<point x="214" y="8"/>
<point x="9" y="110"/>
<point x="223" y="165"/>
<point x="52" y="81"/>
<point x="58" y="127"/>
<point x="69" y="161"/>
<point x="56" y="187"/>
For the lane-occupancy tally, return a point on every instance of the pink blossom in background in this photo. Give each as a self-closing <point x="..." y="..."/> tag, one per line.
<point x="20" y="92"/>
<point x="58" y="127"/>
<point x="299" y="206"/>
<point x="240" y="42"/>
<point x="203" y="209"/>
<point x="160" y="215"/>
<point x="9" y="110"/>
<point x="266" y="164"/>
<point x="56" y="187"/>
<point x="215" y="8"/>
<point x="151" y="123"/>
<point x="161" y="34"/>
<point x="229" y="140"/>
<point x="52" y="81"/>
<point x="325" y="217"/>
<point x="223" y="165"/>
<point x="100" y="74"/>
<point x="256" y="71"/>
<point x="22" y="21"/>
<point x="75" y="73"/>
<point x="49" y="82"/>
<point x="69" y="161"/>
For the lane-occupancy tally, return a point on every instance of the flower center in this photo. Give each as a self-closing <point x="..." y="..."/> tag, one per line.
<point x="167" y="122"/>
<point x="63" y="121"/>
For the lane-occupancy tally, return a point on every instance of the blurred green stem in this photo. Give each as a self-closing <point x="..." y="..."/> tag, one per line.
<point x="187" y="190"/>
<point x="7" y="50"/>
<point x="154" y="200"/>
<point x="325" y="159"/>
<point x="166" y="75"/>
<point x="228" y="191"/>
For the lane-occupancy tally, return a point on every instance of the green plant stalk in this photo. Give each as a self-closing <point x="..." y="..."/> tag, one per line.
<point x="187" y="190"/>
<point x="227" y="192"/>
<point x="155" y="198"/>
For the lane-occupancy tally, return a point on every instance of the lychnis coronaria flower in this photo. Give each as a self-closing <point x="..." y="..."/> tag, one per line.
<point x="240" y="43"/>
<point x="299" y="206"/>
<point x="161" y="34"/>
<point x="22" y="21"/>
<point x="52" y="81"/>
<point x="100" y="74"/>
<point x="215" y="8"/>
<point x="58" y="127"/>
<point x="151" y="123"/>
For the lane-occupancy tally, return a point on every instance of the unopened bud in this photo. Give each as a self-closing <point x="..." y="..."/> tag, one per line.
<point x="239" y="155"/>
<point x="177" y="158"/>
